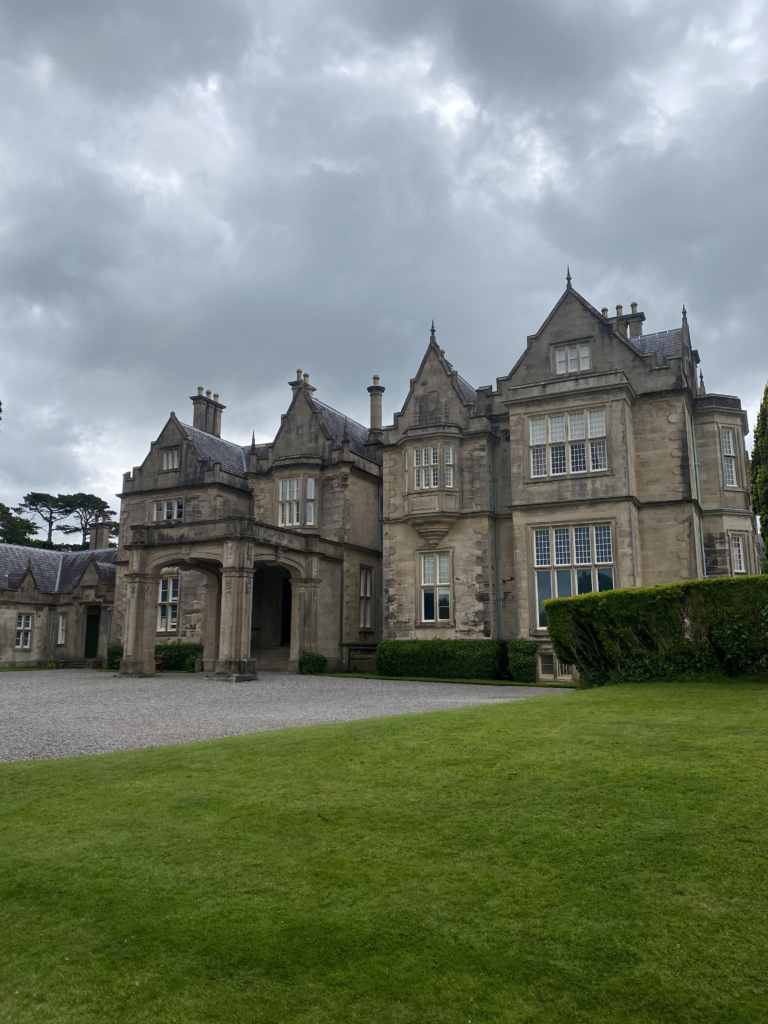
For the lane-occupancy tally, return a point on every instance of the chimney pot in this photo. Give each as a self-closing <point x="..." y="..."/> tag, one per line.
<point x="375" y="380"/>
<point x="604" y="311"/>
<point x="633" y="307"/>
<point x="376" y="391"/>
<point x="298" y="375"/>
<point x="207" y="394"/>
<point x="199" y="391"/>
<point x="215" y="398"/>
<point x="619" y="310"/>
<point x="306" y="378"/>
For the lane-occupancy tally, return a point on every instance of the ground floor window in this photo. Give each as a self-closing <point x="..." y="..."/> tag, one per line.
<point x="551" y="667"/>
<point x="366" y="576"/>
<point x="62" y="632"/>
<point x="571" y="560"/>
<point x="168" y="605"/>
<point x="23" y="632"/>
<point x="737" y="554"/>
<point x="436" y="587"/>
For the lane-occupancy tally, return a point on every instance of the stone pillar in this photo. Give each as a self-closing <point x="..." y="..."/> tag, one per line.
<point x="304" y="595"/>
<point x="234" y="654"/>
<point x="211" y="624"/>
<point x="140" y="625"/>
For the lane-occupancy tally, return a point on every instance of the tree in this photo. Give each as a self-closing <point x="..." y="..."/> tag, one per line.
<point x="88" y="509"/>
<point x="14" y="529"/>
<point x="49" y="508"/>
<point x="759" y="467"/>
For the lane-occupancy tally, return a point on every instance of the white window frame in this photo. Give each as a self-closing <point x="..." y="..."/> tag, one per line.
<point x="309" y="505"/>
<point x="169" y="510"/>
<point x="728" y="447"/>
<point x="61" y="631"/>
<point x="435" y="588"/>
<point x="168" y="604"/>
<point x="576" y="357"/>
<point x="568" y="443"/>
<point x="171" y="458"/>
<point x="561" y="568"/>
<point x="427" y="461"/>
<point x="289" y="501"/>
<point x="365" y="605"/>
<point x="24" y="623"/>
<point x="738" y="560"/>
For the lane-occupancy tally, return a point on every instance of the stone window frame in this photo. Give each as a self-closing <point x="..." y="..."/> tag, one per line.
<point x="555" y="563"/>
<point x="563" y="347"/>
<point x="740" y="539"/>
<point x="550" y="667"/>
<point x="733" y="455"/>
<point x="61" y="630"/>
<point x="304" y="500"/>
<point x="436" y="623"/>
<point x="171" y="458"/>
<point x="365" y="592"/>
<point x="446" y="467"/>
<point x="25" y="622"/>
<point x="163" y="505"/>
<point x="168" y="600"/>
<point x="543" y="454"/>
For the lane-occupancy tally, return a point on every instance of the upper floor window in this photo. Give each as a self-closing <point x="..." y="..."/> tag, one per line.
<point x="310" y="519"/>
<point x="290" y="502"/>
<point x="428" y="465"/>
<point x="563" y="444"/>
<point x="572" y="358"/>
<point x="366" y="577"/>
<point x="23" y="632"/>
<point x="729" y="456"/>
<point x="171" y="458"/>
<point x="171" y="508"/>
<point x="168" y="605"/>
<point x="737" y="554"/>
<point x="436" y="587"/>
<point x="571" y="560"/>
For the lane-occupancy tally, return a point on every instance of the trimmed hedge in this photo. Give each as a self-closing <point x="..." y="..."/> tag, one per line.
<point x="449" y="659"/>
<point x="522" y="660"/>
<point x="177" y="657"/>
<point x="312" y="664"/>
<point x="665" y="632"/>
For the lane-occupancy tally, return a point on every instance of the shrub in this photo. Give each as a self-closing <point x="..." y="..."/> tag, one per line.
<point x="665" y="632"/>
<point x="178" y="656"/>
<point x="114" y="655"/>
<point x="312" y="664"/>
<point x="522" y="660"/>
<point x="449" y="659"/>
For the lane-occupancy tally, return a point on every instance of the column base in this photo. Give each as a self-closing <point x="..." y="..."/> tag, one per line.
<point x="236" y="671"/>
<point x="137" y="667"/>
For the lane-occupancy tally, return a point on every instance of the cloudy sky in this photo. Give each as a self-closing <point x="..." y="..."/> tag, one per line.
<point x="217" y="192"/>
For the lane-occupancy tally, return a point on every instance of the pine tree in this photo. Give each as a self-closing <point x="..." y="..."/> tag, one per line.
<point x="759" y="468"/>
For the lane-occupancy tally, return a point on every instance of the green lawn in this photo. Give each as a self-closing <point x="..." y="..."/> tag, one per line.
<point x="598" y="856"/>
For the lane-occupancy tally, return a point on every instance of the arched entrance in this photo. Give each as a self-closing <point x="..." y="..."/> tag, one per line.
<point x="271" y="616"/>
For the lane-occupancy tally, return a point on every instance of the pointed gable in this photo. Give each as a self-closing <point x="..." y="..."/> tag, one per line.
<point x="438" y="393"/>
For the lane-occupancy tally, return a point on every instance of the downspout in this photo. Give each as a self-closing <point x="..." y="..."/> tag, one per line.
<point x="496" y="540"/>
<point x="698" y="498"/>
<point x="381" y="553"/>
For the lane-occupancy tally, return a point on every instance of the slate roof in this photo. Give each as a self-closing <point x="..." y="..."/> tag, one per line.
<point x="334" y="421"/>
<point x="664" y="344"/>
<point x="466" y="391"/>
<point x="55" y="572"/>
<point x="233" y="457"/>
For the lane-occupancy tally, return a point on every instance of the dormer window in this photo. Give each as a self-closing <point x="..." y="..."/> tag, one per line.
<point x="171" y="458"/>
<point x="572" y="358"/>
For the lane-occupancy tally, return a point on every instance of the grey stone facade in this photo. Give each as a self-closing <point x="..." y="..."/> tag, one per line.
<point x="599" y="461"/>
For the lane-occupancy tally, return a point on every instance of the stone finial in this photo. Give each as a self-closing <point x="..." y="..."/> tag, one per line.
<point x="568" y="277"/>
<point x="253" y="441"/>
<point x="685" y="315"/>
<point x="432" y="332"/>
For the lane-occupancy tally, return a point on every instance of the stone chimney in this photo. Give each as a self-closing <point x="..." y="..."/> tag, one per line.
<point x="99" y="536"/>
<point x="375" y="391"/>
<point x="207" y="412"/>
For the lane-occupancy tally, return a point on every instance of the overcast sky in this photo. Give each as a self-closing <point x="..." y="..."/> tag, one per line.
<point x="217" y="192"/>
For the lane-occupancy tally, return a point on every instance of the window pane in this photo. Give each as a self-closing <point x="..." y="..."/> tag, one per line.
<point x="557" y="428"/>
<point x="417" y="478"/>
<point x="179" y="509"/>
<point x="564" y="583"/>
<point x="174" y="613"/>
<point x="562" y="546"/>
<point x="449" y="476"/>
<point x="538" y="461"/>
<point x="164" y="590"/>
<point x="729" y="471"/>
<point x="417" y="457"/>
<point x="449" y="456"/>
<point x="169" y="510"/>
<point x="727" y="442"/>
<point x="429" y="605"/>
<point x="584" y="581"/>
<point x="578" y="458"/>
<point x="538" y="430"/>
<point x="19" y="621"/>
<point x="597" y="454"/>
<point x="283" y="486"/>
<point x="561" y="360"/>
<point x="543" y="593"/>
<point x="435" y="476"/>
<point x="443" y="603"/>
<point x="27" y="622"/>
<point x="163" y="617"/>
<point x="310" y="487"/>
<point x="584" y="352"/>
<point x="603" y="551"/>
<point x="576" y="426"/>
<point x="174" y="590"/>
<point x="546" y="664"/>
<point x="444" y="568"/>
<point x="605" y="579"/>
<point x="573" y="358"/>
<point x="736" y="554"/>
<point x="282" y="515"/>
<point x="434" y="456"/>
<point x="557" y="458"/>
<point x="582" y="546"/>
<point x="310" y="513"/>
<point x="597" y="422"/>
<point x="541" y="545"/>
<point x="425" y="453"/>
<point x="427" y="569"/>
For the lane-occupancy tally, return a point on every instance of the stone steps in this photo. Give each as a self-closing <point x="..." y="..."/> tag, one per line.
<point x="273" y="659"/>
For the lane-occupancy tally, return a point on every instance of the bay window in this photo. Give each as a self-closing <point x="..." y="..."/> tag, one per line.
<point x="427" y="466"/>
<point x="310" y="504"/>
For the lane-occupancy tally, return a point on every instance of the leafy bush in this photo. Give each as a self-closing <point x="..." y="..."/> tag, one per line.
<point x="177" y="657"/>
<point x="449" y="659"/>
<point x="114" y="655"/>
<point x="522" y="660"/>
<point x="666" y="632"/>
<point x="312" y="664"/>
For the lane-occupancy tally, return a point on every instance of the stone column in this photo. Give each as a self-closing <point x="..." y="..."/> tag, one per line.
<point x="234" y="655"/>
<point x="140" y="625"/>
<point x="211" y="624"/>
<point x="304" y="597"/>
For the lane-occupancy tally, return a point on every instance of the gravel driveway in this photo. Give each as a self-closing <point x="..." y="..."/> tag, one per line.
<point x="69" y="711"/>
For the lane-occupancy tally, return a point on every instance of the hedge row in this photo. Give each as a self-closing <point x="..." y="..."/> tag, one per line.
<point x="665" y="632"/>
<point x="177" y="657"/>
<point x="449" y="659"/>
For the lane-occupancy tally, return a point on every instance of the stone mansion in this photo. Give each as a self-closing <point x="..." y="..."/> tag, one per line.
<point x="598" y="462"/>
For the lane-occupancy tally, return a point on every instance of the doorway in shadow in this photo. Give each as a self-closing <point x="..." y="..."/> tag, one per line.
<point x="271" y="622"/>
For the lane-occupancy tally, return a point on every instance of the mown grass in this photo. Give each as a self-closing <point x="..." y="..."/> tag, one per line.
<point x="597" y="856"/>
<point x="438" y="679"/>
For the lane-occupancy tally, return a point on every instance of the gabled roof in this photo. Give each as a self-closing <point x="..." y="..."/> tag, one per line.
<point x="663" y="343"/>
<point x="570" y="292"/>
<point x="233" y="457"/>
<point x="336" y="422"/>
<point x="54" y="572"/>
<point x="463" y="389"/>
